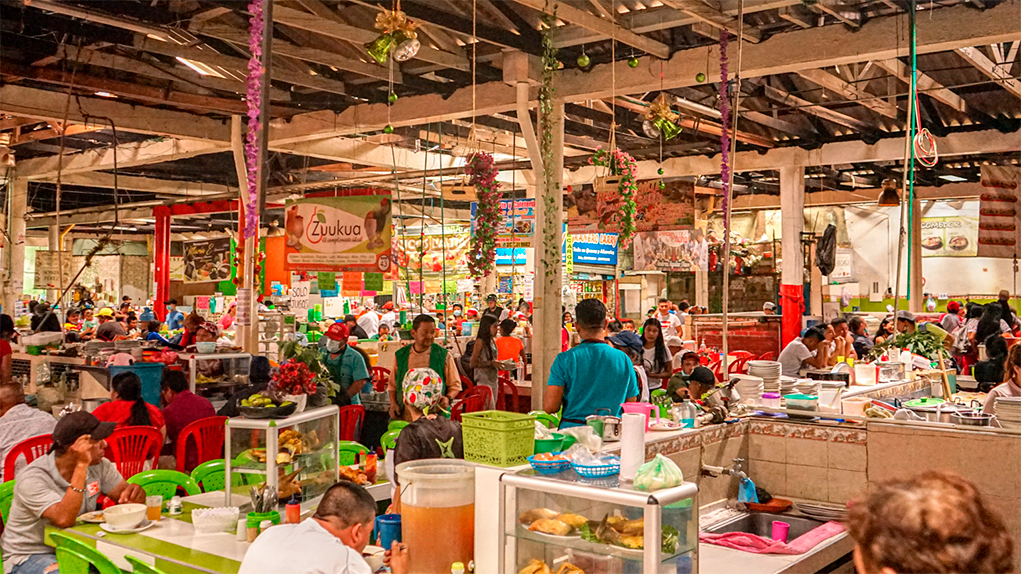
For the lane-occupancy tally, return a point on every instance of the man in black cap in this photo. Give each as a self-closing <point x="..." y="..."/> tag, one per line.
<point x="692" y="385"/>
<point x="493" y="308"/>
<point x="57" y="488"/>
<point x="352" y="326"/>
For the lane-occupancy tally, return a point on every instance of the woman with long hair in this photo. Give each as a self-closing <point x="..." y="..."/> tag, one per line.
<point x="885" y="330"/>
<point x="656" y="357"/>
<point x="1011" y="386"/>
<point x="127" y="407"/>
<point x="484" y="353"/>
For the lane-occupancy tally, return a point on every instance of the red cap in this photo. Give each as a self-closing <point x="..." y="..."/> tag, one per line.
<point x="953" y="307"/>
<point x="388" y="305"/>
<point x="338" y="332"/>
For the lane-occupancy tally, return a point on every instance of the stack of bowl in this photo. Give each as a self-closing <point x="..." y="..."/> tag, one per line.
<point x="769" y="372"/>
<point x="788" y="385"/>
<point x="749" y="388"/>
<point x="809" y="386"/>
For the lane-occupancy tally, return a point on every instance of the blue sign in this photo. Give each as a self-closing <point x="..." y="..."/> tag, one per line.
<point x="594" y="248"/>
<point x="508" y="256"/>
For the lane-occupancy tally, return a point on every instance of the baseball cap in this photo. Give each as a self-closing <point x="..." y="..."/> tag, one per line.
<point x="702" y="375"/>
<point x="953" y="307"/>
<point x="906" y="316"/>
<point x="388" y="305"/>
<point x="689" y="355"/>
<point x="674" y="341"/>
<point x="627" y="339"/>
<point x="104" y="312"/>
<point x="491" y="297"/>
<point x="338" y="332"/>
<point x="77" y="424"/>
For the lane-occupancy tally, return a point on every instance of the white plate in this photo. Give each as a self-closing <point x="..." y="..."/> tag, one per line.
<point x="94" y="517"/>
<point x="144" y="525"/>
<point x="551" y="537"/>
<point x="666" y="426"/>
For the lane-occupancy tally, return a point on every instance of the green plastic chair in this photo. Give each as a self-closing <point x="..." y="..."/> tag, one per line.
<point x="139" y="567"/>
<point x="396" y="425"/>
<point x="165" y="483"/>
<point x="551" y="421"/>
<point x="389" y="440"/>
<point x="6" y="498"/>
<point x="211" y="475"/>
<point x="247" y="478"/>
<point x="349" y="452"/>
<point x="76" y="557"/>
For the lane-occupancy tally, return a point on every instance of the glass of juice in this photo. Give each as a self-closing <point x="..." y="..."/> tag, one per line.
<point x="153" y="507"/>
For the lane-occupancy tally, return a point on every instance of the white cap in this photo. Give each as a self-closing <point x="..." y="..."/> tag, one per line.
<point x="769" y="306"/>
<point x="674" y="341"/>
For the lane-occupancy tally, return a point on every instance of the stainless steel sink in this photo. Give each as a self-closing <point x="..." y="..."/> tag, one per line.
<point x="761" y="524"/>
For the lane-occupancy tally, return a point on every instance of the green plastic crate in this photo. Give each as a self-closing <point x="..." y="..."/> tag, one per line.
<point x="498" y="438"/>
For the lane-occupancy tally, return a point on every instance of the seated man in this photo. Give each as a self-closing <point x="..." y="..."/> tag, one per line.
<point x="330" y="541"/>
<point x="181" y="408"/>
<point x="19" y="422"/>
<point x="676" y="387"/>
<point x="806" y="351"/>
<point x="692" y="386"/>
<point x="55" y="489"/>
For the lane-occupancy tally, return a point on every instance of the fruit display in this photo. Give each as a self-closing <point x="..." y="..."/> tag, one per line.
<point x="263" y="400"/>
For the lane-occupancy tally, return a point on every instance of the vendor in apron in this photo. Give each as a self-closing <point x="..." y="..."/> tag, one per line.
<point x="421" y="354"/>
<point x="346" y="367"/>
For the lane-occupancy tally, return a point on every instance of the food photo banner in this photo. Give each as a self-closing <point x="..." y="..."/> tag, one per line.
<point x="955" y="236"/>
<point x="445" y="247"/>
<point x="671" y="250"/>
<point x="517" y="222"/>
<point x="597" y="207"/>
<point x="207" y="260"/>
<point x="344" y="231"/>
<point x="999" y="220"/>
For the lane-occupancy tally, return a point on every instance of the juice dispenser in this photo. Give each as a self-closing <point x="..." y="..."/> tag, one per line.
<point x="437" y="513"/>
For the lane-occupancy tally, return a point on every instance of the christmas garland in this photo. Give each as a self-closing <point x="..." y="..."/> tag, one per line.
<point x="725" y="124"/>
<point x="482" y="255"/>
<point x="621" y="164"/>
<point x="254" y="101"/>
<point x="551" y="181"/>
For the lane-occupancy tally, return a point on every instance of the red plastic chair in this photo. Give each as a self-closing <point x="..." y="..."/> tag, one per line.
<point x="207" y="437"/>
<point x="717" y="368"/>
<point x="129" y="448"/>
<point x="466" y="386"/>
<point x="770" y="356"/>
<point x="30" y="448"/>
<point x="507" y="388"/>
<point x="740" y="365"/>
<point x="475" y="401"/>
<point x="380" y="378"/>
<point x="351" y="419"/>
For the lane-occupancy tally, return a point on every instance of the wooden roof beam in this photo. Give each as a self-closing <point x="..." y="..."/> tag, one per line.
<point x="783" y="97"/>
<point x="715" y="18"/>
<point x="925" y="84"/>
<point x="605" y="27"/>
<point x="1000" y="73"/>
<point x="851" y="92"/>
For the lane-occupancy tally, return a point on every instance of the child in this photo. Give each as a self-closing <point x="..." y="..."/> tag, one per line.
<point x="153" y="333"/>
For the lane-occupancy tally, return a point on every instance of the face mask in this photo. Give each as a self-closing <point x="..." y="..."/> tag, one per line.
<point x="457" y="313"/>
<point x="333" y="346"/>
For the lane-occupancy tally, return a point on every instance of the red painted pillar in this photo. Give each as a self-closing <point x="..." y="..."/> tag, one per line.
<point x="161" y="258"/>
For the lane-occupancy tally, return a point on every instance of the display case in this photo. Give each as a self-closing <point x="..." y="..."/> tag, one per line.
<point x="621" y="531"/>
<point x="274" y="330"/>
<point x="231" y="372"/>
<point x="303" y="449"/>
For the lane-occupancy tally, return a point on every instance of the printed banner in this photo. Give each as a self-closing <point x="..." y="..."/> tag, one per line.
<point x="47" y="269"/>
<point x="444" y="247"/>
<point x="207" y="260"/>
<point x="517" y="222"/>
<point x="347" y="232"/>
<point x="594" y="248"/>
<point x="999" y="219"/>
<point x="954" y="236"/>
<point x="597" y="208"/>
<point x="671" y="251"/>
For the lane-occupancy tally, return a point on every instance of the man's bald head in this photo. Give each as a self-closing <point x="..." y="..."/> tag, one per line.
<point x="11" y="395"/>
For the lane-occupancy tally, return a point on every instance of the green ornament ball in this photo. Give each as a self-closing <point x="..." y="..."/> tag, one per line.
<point x="662" y="185"/>
<point x="584" y="61"/>
<point x="389" y="129"/>
<point x="659" y="171"/>
<point x="392" y="97"/>
<point x="700" y="77"/>
<point x="632" y="62"/>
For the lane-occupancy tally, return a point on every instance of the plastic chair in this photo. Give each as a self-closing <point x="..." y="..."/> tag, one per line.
<point x="396" y="425"/>
<point x="129" y="448"/>
<point x="475" y="401"/>
<point x="380" y="378"/>
<point x="211" y="476"/>
<point x="30" y="448"/>
<point x="165" y="483"/>
<point x="466" y="386"/>
<point x="207" y="436"/>
<point x="6" y="498"/>
<point x="76" y="557"/>
<point x="351" y="419"/>
<point x="507" y="388"/>
<point x="389" y="440"/>
<point x="139" y="567"/>
<point x="770" y="356"/>
<point x="350" y="452"/>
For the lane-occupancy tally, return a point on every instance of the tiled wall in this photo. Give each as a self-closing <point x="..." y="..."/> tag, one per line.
<point x="808" y="461"/>
<point x="718" y="445"/>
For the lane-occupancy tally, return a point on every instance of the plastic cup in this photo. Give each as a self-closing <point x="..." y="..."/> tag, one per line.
<point x="388" y="529"/>
<point x="780" y="530"/>
<point x="153" y="507"/>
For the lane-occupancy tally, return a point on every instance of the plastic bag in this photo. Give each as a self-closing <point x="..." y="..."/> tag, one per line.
<point x="658" y="473"/>
<point x="585" y="436"/>
<point x="581" y="455"/>
<point x="541" y="432"/>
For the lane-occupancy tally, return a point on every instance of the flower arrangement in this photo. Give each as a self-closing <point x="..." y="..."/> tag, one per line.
<point x="294" y="378"/>
<point x="620" y="163"/>
<point x="254" y="101"/>
<point x="482" y="253"/>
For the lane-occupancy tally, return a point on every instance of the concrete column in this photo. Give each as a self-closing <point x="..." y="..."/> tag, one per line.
<point x="792" y="223"/>
<point x="14" y="277"/>
<point x="53" y="243"/>
<point x="917" y="302"/>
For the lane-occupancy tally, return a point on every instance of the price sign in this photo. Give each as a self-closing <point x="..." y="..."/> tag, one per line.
<point x="244" y="309"/>
<point x="299" y="298"/>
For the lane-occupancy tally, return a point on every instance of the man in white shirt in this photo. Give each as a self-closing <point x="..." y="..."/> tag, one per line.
<point x="389" y="317"/>
<point x="330" y="542"/>
<point x="804" y="351"/>
<point x="672" y="325"/>
<point x="369" y="322"/>
<point x="19" y="422"/>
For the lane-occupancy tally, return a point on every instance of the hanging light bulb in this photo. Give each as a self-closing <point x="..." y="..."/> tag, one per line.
<point x="406" y="46"/>
<point x="889" y="197"/>
<point x="650" y="129"/>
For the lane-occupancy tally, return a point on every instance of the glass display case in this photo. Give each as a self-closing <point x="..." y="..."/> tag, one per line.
<point x="610" y="528"/>
<point x="296" y="455"/>
<point x="216" y="370"/>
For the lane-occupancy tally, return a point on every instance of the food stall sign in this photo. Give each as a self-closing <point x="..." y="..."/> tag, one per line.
<point x="517" y="222"/>
<point x="207" y="260"/>
<point x="954" y="236"/>
<point x="345" y="231"/>
<point x="594" y="248"/>
<point x="299" y="298"/>
<point x="47" y="269"/>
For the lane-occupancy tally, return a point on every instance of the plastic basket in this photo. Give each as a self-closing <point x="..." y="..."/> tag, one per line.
<point x="498" y="438"/>
<point x="222" y="519"/>
<point x="610" y="468"/>
<point x="549" y="466"/>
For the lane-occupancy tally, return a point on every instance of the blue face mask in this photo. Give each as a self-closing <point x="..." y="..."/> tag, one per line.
<point x="457" y="312"/>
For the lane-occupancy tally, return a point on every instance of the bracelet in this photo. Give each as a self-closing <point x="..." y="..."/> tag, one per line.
<point x="78" y="490"/>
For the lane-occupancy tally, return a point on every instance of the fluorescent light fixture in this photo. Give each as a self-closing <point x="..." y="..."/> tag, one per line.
<point x="105" y="95"/>
<point x="199" y="67"/>
<point x="156" y="37"/>
<point x="953" y="178"/>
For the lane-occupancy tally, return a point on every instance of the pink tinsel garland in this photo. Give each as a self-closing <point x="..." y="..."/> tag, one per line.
<point x="254" y="84"/>
<point x="725" y="124"/>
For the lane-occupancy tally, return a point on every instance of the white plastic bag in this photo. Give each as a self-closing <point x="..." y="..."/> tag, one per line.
<point x="658" y="473"/>
<point x="541" y="432"/>
<point x="586" y="436"/>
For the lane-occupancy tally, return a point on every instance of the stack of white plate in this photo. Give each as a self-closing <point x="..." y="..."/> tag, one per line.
<point x="788" y="385"/>
<point x="1008" y="412"/>
<point x="823" y="512"/>
<point x="809" y="386"/>
<point x="749" y="388"/>
<point x="769" y="372"/>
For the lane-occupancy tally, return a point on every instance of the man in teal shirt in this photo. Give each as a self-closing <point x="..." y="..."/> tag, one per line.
<point x="346" y="366"/>
<point x="592" y="375"/>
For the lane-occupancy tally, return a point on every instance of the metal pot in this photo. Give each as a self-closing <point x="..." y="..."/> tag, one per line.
<point x="971" y="419"/>
<point x="935" y="410"/>
<point x="605" y="426"/>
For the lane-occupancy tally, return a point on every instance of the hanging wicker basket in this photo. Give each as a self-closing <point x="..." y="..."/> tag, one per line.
<point x="459" y="191"/>
<point x="606" y="183"/>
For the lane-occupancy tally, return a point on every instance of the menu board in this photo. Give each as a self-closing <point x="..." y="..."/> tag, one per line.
<point x="207" y="260"/>
<point x="517" y="222"/>
<point x="954" y="236"/>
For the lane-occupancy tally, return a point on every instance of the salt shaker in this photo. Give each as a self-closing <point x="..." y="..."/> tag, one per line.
<point x="242" y="532"/>
<point x="175" y="506"/>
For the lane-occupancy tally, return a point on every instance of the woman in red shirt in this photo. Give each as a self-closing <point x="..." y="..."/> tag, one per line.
<point x="127" y="407"/>
<point x="6" y="354"/>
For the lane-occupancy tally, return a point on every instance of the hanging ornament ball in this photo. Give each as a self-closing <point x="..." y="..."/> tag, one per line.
<point x="700" y="77"/>
<point x="584" y="60"/>
<point x="406" y="48"/>
<point x="650" y="129"/>
<point x="661" y="184"/>
<point x="659" y="171"/>
<point x="633" y="62"/>
<point x="392" y="97"/>
<point x="389" y="129"/>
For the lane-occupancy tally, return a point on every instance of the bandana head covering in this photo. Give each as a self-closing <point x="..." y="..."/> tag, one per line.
<point x="422" y="387"/>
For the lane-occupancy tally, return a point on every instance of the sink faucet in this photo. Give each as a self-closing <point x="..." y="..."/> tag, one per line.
<point x="715" y="471"/>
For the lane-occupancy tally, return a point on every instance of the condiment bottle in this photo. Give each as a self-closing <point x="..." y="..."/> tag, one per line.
<point x="292" y="513"/>
<point x="175" y="506"/>
<point x="265" y="525"/>
<point x="457" y="568"/>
